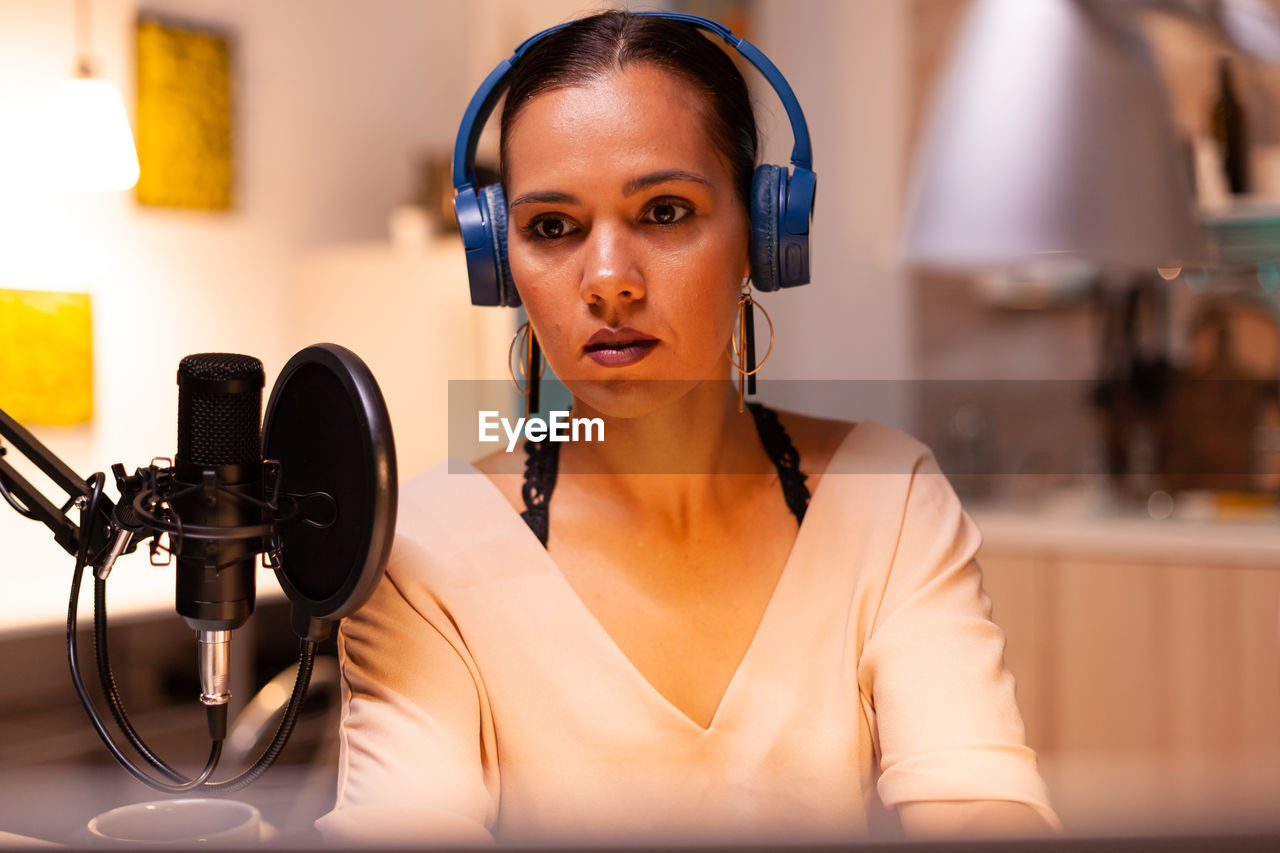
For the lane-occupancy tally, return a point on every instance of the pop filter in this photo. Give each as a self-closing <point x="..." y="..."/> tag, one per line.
<point x="327" y="425"/>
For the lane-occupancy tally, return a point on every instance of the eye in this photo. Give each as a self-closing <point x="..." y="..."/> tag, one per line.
<point x="549" y="227"/>
<point x="666" y="212"/>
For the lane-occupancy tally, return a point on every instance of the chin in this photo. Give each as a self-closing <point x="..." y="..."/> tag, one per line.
<point x="628" y="398"/>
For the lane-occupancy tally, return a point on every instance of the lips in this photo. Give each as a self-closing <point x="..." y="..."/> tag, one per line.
<point x="619" y="347"/>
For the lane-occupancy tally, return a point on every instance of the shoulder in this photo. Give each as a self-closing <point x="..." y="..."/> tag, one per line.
<point x="449" y="517"/>
<point x="501" y="462"/>
<point x="506" y="472"/>
<point x="815" y="440"/>
<point x="434" y="507"/>
<point x="829" y="445"/>
<point x="432" y="492"/>
<point x="880" y="475"/>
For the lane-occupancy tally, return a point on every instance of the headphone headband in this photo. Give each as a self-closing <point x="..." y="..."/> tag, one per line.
<point x="780" y="202"/>
<point x="486" y="97"/>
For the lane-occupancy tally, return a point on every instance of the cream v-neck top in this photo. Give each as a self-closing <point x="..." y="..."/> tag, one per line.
<point x="482" y="699"/>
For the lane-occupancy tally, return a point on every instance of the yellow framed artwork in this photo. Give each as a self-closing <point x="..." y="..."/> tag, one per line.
<point x="185" y="115"/>
<point x="46" y="363"/>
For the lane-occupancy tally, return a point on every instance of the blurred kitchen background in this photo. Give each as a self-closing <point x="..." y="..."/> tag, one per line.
<point x="1046" y="242"/>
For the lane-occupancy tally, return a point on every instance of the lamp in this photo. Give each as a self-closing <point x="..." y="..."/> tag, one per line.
<point x="1050" y="137"/>
<point x="90" y="145"/>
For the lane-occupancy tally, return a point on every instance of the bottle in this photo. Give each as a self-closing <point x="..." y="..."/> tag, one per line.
<point x="1227" y="122"/>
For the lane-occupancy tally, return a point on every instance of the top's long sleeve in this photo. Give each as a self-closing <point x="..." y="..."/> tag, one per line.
<point x="415" y="763"/>
<point x="933" y="666"/>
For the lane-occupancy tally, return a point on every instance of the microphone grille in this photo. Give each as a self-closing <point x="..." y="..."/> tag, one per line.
<point x="219" y="409"/>
<point x="221" y="367"/>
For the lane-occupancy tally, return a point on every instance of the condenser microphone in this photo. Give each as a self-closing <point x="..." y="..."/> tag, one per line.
<point x="314" y="492"/>
<point x="217" y="484"/>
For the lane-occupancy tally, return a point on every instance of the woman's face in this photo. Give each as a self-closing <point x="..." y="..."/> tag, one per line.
<point x="627" y="240"/>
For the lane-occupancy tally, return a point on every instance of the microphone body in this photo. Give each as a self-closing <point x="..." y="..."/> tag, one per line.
<point x="217" y="483"/>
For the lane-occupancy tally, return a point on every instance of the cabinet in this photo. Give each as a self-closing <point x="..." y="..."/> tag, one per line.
<point x="1147" y="667"/>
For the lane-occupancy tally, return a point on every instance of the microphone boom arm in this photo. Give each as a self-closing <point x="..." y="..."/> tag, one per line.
<point x="30" y="502"/>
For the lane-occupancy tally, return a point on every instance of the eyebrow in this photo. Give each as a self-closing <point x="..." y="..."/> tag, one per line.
<point x="634" y="186"/>
<point x="630" y="188"/>
<point x="545" y="198"/>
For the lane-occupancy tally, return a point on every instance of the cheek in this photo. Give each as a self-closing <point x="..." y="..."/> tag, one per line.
<point x="537" y="280"/>
<point x="550" y="299"/>
<point x="715" y="298"/>
<point x="549" y="311"/>
<point x="719" y="310"/>
<point x="704" y="311"/>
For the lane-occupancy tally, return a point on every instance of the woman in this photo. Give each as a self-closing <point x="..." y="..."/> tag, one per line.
<point x="671" y="634"/>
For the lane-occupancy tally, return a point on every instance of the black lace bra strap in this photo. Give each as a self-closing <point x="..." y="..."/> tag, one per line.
<point x="785" y="458"/>
<point x="542" y="463"/>
<point x="540" y="467"/>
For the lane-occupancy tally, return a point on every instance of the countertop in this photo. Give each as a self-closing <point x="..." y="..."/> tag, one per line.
<point x="1090" y="525"/>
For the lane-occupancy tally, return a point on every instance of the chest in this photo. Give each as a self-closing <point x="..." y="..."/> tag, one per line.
<point x="683" y="609"/>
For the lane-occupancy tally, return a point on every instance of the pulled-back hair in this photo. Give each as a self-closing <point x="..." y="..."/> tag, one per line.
<point x="594" y="47"/>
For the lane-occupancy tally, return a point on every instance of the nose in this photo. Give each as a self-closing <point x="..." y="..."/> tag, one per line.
<point x="611" y="273"/>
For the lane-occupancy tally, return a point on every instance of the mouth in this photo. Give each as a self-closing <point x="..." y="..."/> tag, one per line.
<point x="624" y="346"/>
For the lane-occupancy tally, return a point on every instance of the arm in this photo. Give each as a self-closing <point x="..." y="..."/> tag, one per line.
<point x="951" y="741"/>
<point x="980" y="818"/>
<point x="417" y="763"/>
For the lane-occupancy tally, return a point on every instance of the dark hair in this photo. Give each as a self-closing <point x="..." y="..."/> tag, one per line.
<point x="591" y="48"/>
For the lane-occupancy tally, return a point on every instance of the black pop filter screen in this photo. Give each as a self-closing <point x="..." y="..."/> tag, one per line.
<point x="319" y="452"/>
<point x="327" y="425"/>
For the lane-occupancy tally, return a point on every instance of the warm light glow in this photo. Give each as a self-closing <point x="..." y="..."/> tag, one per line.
<point x="1169" y="273"/>
<point x="1084" y="163"/>
<point x="90" y="145"/>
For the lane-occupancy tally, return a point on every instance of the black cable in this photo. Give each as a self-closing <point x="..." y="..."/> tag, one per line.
<point x="306" y="661"/>
<point x="112" y="692"/>
<point x="82" y="559"/>
<point x="21" y="510"/>
<point x="177" y="783"/>
<point x="265" y="761"/>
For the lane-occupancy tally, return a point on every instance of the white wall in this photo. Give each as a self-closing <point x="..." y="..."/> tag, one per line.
<point x="847" y="61"/>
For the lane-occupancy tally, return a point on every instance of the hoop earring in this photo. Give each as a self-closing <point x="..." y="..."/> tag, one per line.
<point x="531" y="366"/>
<point x="744" y="342"/>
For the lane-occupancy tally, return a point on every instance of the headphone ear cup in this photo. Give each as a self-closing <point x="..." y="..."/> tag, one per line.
<point x="495" y="204"/>
<point x="766" y="197"/>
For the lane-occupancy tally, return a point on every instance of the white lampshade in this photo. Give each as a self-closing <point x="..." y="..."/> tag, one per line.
<point x="1051" y="137"/>
<point x="89" y="145"/>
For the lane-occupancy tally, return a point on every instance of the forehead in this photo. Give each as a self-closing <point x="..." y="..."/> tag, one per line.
<point x="614" y="127"/>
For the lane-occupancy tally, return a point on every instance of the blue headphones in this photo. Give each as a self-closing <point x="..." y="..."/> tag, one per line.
<point x="781" y="200"/>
